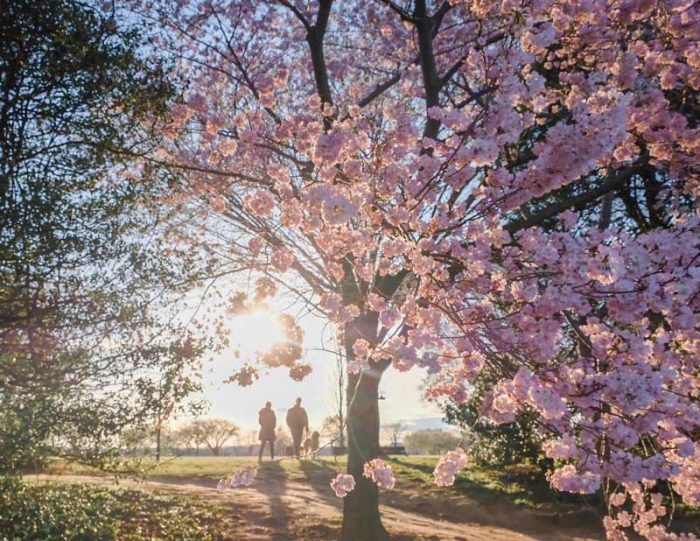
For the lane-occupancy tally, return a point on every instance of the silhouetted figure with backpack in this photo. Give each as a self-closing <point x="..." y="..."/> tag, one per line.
<point x="297" y="421"/>
<point x="268" y="422"/>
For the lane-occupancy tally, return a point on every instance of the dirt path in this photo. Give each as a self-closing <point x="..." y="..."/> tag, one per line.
<point x="276" y="508"/>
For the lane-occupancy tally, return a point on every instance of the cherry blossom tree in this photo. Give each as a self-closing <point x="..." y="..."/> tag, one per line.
<point x="466" y="184"/>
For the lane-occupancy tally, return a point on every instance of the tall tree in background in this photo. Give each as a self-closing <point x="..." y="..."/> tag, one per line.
<point x="394" y="431"/>
<point x="465" y="184"/>
<point x="84" y="282"/>
<point x="334" y="425"/>
<point x="165" y="390"/>
<point x="215" y="432"/>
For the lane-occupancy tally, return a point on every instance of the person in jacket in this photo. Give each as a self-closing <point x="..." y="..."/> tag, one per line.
<point x="268" y="422"/>
<point x="298" y="422"/>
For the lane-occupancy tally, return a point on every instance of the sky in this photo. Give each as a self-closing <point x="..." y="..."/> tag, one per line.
<point x="403" y="397"/>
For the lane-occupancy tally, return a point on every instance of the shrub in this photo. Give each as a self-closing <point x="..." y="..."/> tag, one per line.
<point x="57" y="512"/>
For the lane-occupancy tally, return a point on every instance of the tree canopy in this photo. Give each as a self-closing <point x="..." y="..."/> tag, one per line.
<point x="461" y="185"/>
<point x="85" y="284"/>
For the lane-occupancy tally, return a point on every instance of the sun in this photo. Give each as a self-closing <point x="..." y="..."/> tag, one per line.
<point x="256" y="331"/>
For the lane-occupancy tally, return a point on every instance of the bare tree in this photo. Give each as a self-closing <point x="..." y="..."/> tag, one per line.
<point x="334" y="425"/>
<point x="394" y="431"/>
<point x="333" y="428"/>
<point x="188" y="436"/>
<point x="215" y="432"/>
<point x="251" y="440"/>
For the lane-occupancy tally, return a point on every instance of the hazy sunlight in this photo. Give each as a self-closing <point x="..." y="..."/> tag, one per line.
<point x="256" y="331"/>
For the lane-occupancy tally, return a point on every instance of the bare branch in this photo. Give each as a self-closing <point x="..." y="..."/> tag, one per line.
<point x="299" y="15"/>
<point x="398" y="9"/>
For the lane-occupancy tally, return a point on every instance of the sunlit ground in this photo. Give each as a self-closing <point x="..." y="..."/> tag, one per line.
<point x="292" y="499"/>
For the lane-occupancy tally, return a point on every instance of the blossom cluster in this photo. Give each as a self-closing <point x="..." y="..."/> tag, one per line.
<point x="380" y="473"/>
<point x="449" y="466"/>
<point x="242" y="478"/>
<point x="342" y="484"/>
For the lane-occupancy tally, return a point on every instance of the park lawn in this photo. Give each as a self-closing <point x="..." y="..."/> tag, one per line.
<point x="510" y="499"/>
<point x="521" y="485"/>
<point x="41" y="511"/>
<point x="478" y="493"/>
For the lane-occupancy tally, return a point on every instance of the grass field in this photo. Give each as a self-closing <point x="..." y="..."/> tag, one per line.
<point x="291" y="499"/>
<point x="521" y="485"/>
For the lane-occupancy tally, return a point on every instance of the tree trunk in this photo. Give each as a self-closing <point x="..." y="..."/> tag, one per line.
<point x="361" y="518"/>
<point x="341" y="406"/>
<point x="158" y="430"/>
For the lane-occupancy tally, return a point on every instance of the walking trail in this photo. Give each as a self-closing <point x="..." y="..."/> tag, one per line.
<point x="280" y="508"/>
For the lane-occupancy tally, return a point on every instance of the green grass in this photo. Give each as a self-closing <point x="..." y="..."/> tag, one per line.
<point x="497" y="492"/>
<point x="521" y="485"/>
<point x="189" y="466"/>
<point x="55" y="512"/>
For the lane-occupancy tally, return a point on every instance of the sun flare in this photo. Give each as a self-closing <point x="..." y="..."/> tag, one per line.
<point x="256" y="331"/>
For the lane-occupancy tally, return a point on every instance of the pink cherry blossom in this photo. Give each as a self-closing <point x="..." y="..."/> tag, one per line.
<point x="260" y="204"/>
<point x="379" y="472"/>
<point x="449" y="466"/>
<point x="242" y="478"/>
<point x="569" y="479"/>
<point x="281" y="259"/>
<point x="532" y="212"/>
<point x="342" y="484"/>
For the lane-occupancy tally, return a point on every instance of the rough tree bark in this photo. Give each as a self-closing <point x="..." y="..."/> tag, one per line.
<point x="361" y="518"/>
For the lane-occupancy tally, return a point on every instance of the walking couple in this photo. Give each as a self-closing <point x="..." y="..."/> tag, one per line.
<point x="297" y="421"/>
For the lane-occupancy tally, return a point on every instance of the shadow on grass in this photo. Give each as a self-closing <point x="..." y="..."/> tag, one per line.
<point x="318" y="475"/>
<point x="526" y="486"/>
<point x="272" y="482"/>
<point x="522" y="504"/>
<point x="471" y="500"/>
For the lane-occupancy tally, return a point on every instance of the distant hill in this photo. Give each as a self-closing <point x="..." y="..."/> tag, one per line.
<point x="424" y="423"/>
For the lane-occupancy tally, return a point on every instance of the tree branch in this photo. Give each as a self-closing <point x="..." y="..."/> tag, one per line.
<point x="398" y="9"/>
<point x="383" y="87"/>
<point x="299" y="15"/>
<point x="457" y="65"/>
<point x="314" y="37"/>
<point x="577" y="202"/>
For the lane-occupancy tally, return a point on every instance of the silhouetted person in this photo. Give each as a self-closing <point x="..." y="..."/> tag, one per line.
<point x="297" y="421"/>
<point x="268" y="422"/>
